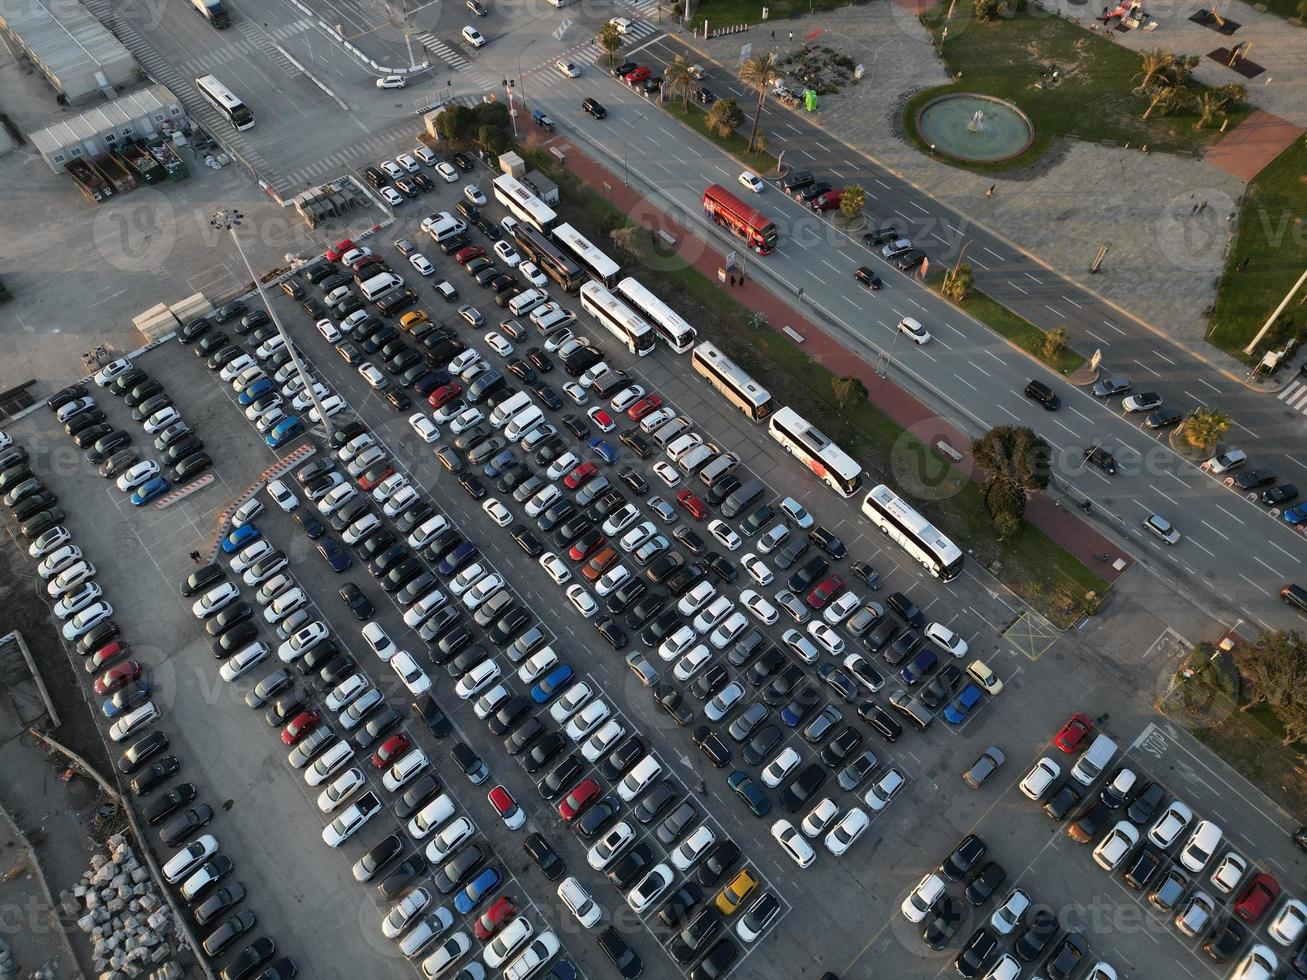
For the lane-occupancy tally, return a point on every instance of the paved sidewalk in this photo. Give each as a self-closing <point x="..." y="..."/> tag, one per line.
<point x="1075" y="535"/>
<point x="1249" y="147"/>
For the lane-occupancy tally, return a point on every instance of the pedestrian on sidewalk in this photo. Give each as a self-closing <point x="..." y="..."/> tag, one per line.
<point x="732" y="280"/>
<point x="990" y="192"/>
<point x="791" y="37"/>
<point x="195" y="557"/>
<point x="773" y="35"/>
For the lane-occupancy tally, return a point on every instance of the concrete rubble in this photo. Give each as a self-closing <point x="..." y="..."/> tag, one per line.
<point x="131" y="928"/>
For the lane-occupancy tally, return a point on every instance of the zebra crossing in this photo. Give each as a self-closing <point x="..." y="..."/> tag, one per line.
<point x="253" y="42"/>
<point x="1295" y="396"/>
<point x="546" y="76"/>
<point x="261" y="42"/>
<point x="441" y="50"/>
<point x="646" y="8"/>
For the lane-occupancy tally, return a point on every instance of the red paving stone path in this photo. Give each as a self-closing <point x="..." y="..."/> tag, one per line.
<point x="1247" y="149"/>
<point x="1066" y="528"/>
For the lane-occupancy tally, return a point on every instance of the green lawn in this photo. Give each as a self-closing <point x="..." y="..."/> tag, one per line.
<point x="1021" y="332"/>
<point x="1272" y="239"/>
<point x="1031" y="564"/>
<point x="1095" y="101"/>
<point x="735" y="144"/>
<point x="727" y="13"/>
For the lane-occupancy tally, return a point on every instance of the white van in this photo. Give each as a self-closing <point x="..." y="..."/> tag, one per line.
<point x="380" y="285"/>
<point x="523" y="422"/>
<point x="446" y="228"/>
<point x="526" y="301"/>
<point x="682" y="444"/>
<point x="1090" y="765"/>
<point x="509" y="407"/>
<point x="426" y="156"/>
<point x="638" y="779"/>
<point x="692" y="459"/>
<point x="718" y="468"/>
<point x="552" y="319"/>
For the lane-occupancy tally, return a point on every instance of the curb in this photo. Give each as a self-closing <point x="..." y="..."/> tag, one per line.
<point x="297" y="455"/>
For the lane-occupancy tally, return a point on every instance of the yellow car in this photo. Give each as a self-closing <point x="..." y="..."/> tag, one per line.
<point x="730" y="898"/>
<point x="979" y="672"/>
<point x="410" y="320"/>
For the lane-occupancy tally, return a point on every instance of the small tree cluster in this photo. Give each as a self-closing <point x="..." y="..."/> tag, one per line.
<point x="1016" y="461"/>
<point x="1277" y="668"/>
<point x="958" y="282"/>
<point x="725" y="117"/>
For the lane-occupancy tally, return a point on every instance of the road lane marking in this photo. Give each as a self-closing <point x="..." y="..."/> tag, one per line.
<point x="976" y="261"/>
<point x="1091" y="333"/>
<point x="1018" y="289"/>
<point x="1115" y="327"/>
<point x="966" y="382"/>
<point x="1217" y="530"/>
<point x="1274" y="571"/>
<point x="1197" y="545"/>
<point x="1253" y="584"/>
<point x="919" y="207"/>
<point x="1056" y="313"/>
<point x="1030" y="277"/>
<point x="1210" y="385"/>
<point x="1147" y="368"/>
<point x="1073" y="302"/>
<point x="1194" y="397"/>
<point x="992" y="252"/>
<point x="1158" y="354"/>
<point x="1228" y="514"/>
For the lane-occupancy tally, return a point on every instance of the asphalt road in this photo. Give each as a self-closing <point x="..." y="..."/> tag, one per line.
<point x="1234" y="554"/>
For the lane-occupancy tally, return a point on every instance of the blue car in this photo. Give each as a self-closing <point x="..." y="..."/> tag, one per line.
<point x="284" y="431"/>
<point x="960" y="707"/>
<point x="337" y="557"/>
<point x="239" y="538"/>
<point x="152" y="489"/>
<point x="457" y="558"/>
<point x="255" y="391"/>
<point x="551" y="684"/>
<point x="922" y="664"/>
<point x="140" y="690"/>
<point x="1297" y="514"/>
<point x="604" y="451"/>
<point x="477" y="889"/>
<point x="747" y="790"/>
<point x="499" y="463"/>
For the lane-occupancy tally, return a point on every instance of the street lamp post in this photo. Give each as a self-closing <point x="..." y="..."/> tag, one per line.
<point x="519" y="63"/>
<point x="512" y="109"/>
<point x="229" y="219"/>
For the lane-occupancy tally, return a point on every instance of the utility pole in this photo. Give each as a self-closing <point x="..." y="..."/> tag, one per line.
<point x="1278" y="310"/>
<point x="228" y="220"/>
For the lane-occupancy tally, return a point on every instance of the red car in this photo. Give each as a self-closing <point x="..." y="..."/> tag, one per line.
<point x="695" y="507"/>
<point x="106" y="655"/>
<point x="391" y="749"/>
<point x="465" y="255"/>
<point x="638" y="77"/>
<point x="502" y="800"/>
<point x="586" y="546"/>
<point x="824" y="591"/>
<point x="116" y="677"/>
<point x="445" y="394"/>
<point x="579" y="476"/>
<point x="643" y="407"/>
<point x="334" y="252"/>
<point x="493" y="919"/>
<point x="367" y="484"/>
<point x="299" y="726"/>
<point x="1258" y="895"/>
<point x="1074" y="732"/>
<point x="574" y="803"/>
<point x="602" y="419"/>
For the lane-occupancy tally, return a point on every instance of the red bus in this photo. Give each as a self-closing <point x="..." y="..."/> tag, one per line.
<point x="726" y="209"/>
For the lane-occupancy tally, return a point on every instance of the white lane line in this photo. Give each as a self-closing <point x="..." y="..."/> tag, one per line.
<point x="1098" y="338"/>
<point x="1005" y="410"/>
<point x="1030" y="277"/>
<point x="1204" y="381"/>
<point x="1163" y="357"/>
<point x="806" y="154"/>
<point x="1167" y="496"/>
<point x="794" y="129"/>
<point x="939" y="237"/>
<point x="831" y="267"/>
<point x="956" y="330"/>
<point x="849" y="299"/>
<point x="1282" y="551"/>
<point x="1018" y="289"/>
<point x="1056" y="313"/>
<point x="1057" y="422"/>
<point x="1197" y="545"/>
<point x="976" y="261"/>
<point x="1216" y="529"/>
<point x="1082" y="415"/>
<point x="919" y="207"/>
<point x="1228" y="514"/>
<point x="1148" y="369"/>
<point x="992" y="252"/>
<point x="1113" y="326"/>
<point x="996" y="357"/>
<point x="1194" y="397"/>
<point x="841" y="176"/>
<point x="877" y="180"/>
<point x="1245" y="429"/>
<point x="1073" y="302"/>
<point x="1253" y="584"/>
<point x="822" y="145"/>
<point x="966" y="382"/>
<point x="1274" y="571"/>
<point x="819" y="278"/>
<point x="977" y="367"/>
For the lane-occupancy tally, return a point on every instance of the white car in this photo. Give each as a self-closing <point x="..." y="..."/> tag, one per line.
<point x="497" y="512"/>
<point x="820" y="817"/>
<point x="578" y="901"/>
<point x="713" y="613"/>
<point x="477" y="679"/>
<point x="410" y="674"/>
<point x="531" y="272"/>
<point x="759" y="607"/>
<point x="474" y="196"/>
<point x="334" y="796"/>
<point x="585" y="721"/>
<point x="138" y="474"/>
<point x="582" y="601"/>
<point x="554" y="567"/>
<point x="426" y="430"/>
<point x="379" y="641"/>
<point x="447" y="172"/>
<point x="347" y="691"/>
<point x="725" y="534"/>
<point x="1288" y="923"/>
<point x="843" y="835"/>
<point x="392" y="197"/>
<point x="603" y="740"/>
<point x="77" y="600"/>
<point x="537" y="665"/>
<point x="406" y="161"/>
<point x="757" y="569"/>
<point x="330" y="332"/>
<point x="103" y="376"/>
<point x="691" y="663"/>
<point x="666" y="472"/>
<point x="611" y="846"/>
<point x="1229" y="872"/>
<point x="678" y="643"/>
<point x="885" y="789"/>
<point x="947" y="639"/>
<point x="250" y="554"/>
<point x="650" y="888"/>
<point x="570" y="702"/>
<point x="922" y="899"/>
<point x="1009" y="914"/>
<point x="729" y="630"/>
<point x="612" y="579"/>
<point x="498" y="343"/>
<point x="841" y="608"/>
<point x="1160" y="527"/>
<point x="465" y="419"/>
<point x="422" y="264"/>
<point x="485" y="587"/>
<point x="473" y="37"/>
<point x="568" y="68"/>
<point x="1260" y="963"/>
<point x="507" y="253"/>
<point x="752" y="181"/>
<point x="1170" y="824"/>
<point x="575" y="392"/>
<point x="785" y="762"/>
<point x="161" y="419"/>
<point x="826" y="638"/>
<point x="282" y="496"/>
<point x="803" y="647"/>
<point x="450" y="837"/>
<point x="1036" y="783"/>
<point x="794" y="843"/>
<point x="697" y="597"/>
<point x="50" y="541"/>
<point x="391" y="81"/>
<point x="87" y="619"/>
<point x="189" y="858"/>
<point x="215" y="600"/>
<point x="563" y="465"/>
<point x="914" y="331"/>
<point x="64" y="556"/>
<point x="351" y="820"/>
<point x="1113" y="848"/>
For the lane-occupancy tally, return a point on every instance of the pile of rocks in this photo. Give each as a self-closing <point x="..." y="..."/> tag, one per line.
<point x="116" y="904"/>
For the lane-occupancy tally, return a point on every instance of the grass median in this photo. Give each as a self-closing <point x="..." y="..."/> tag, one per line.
<point x="1031" y="564"/>
<point x="734" y="144"/>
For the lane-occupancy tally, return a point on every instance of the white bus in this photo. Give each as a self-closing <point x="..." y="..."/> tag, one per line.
<point x="912" y="532"/>
<point x="726" y="376"/>
<point x="667" y="323"/>
<point x="575" y="245"/>
<point x="236" y="112"/>
<point x="617" y="318"/>
<point x="525" y="206"/>
<point x="815" y="450"/>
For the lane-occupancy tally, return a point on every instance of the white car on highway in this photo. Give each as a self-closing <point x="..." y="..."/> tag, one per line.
<point x="752" y="181"/>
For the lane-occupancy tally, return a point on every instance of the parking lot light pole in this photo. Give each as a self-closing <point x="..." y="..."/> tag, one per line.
<point x="229" y="219"/>
<point x="519" y="67"/>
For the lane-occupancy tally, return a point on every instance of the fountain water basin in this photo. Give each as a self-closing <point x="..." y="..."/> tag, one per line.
<point x="977" y="128"/>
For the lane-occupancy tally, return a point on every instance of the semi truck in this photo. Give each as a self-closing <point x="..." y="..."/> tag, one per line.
<point x="213" y="11"/>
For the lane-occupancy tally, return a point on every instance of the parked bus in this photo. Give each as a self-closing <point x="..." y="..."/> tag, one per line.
<point x="912" y="532"/>
<point x="667" y="324"/>
<point x="758" y="232"/>
<point x="617" y="318"/>
<point x="601" y="268"/>
<point x="815" y="450"/>
<point x="726" y="376"/>
<point x="546" y="255"/>
<point x="236" y="111"/>
<point x="524" y="206"/>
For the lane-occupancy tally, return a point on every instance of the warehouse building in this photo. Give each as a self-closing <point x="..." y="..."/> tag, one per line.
<point x="77" y="54"/>
<point x="150" y="112"/>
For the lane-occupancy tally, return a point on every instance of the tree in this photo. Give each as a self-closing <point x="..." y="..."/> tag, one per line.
<point x="1016" y="461"/>
<point x="852" y="201"/>
<point x="493" y="140"/>
<point x="1277" y="668"/>
<point x="1204" y="428"/>
<point x="678" y="82"/>
<point x="725" y="117"/>
<point x="958" y="282"/>
<point x="456" y="123"/>
<point x="1302" y="11"/>
<point x="610" y="40"/>
<point x="1152" y="64"/>
<point x="1168" y="98"/>
<point x="1208" y="104"/>
<point x="758" y="73"/>
<point x="987" y="9"/>
<point x="848" y="390"/>
<point x="1006" y="504"/>
<point x="1053" y="344"/>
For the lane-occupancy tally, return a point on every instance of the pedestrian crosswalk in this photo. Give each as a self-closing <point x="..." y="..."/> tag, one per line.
<point x="253" y="42"/>
<point x="1295" y="396"/>
<point x="260" y="41"/>
<point x="647" y="8"/>
<point x="441" y="50"/>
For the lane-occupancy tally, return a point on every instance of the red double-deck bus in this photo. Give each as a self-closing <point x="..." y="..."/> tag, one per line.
<point x="726" y="209"/>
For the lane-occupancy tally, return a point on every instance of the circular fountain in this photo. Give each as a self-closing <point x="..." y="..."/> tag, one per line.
<point x="975" y="128"/>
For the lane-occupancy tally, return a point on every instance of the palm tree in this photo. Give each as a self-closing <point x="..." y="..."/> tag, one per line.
<point x="610" y="40"/>
<point x="758" y="73"/>
<point x="1208" y="104"/>
<point x="1205" y="427"/>
<point x="678" y="82"/>
<point x="852" y="201"/>
<point x="1168" y="98"/>
<point x="1153" y="63"/>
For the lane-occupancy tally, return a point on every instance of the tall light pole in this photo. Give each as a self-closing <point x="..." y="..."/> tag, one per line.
<point x="512" y="109"/>
<point x="519" y="66"/>
<point x="229" y="219"/>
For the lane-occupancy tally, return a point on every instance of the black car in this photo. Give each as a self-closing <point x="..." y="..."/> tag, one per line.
<point x="942" y="923"/>
<point x="623" y="758"/>
<point x="1066" y="957"/>
<point x="358" y="603"/>
<point x="803" y="787"/>
<point x="168" y="804"/>
<point x="867" y="277"/>
<point x="1062" y="801"/>
<point x="546" y="858"/>
<point x="969" y="852"/>
<point x="984" y="883"/>
<point x="711" y="745"/>
<point x="906" y="608"/>
<point x="152" y="778"/>
<point x="1226" y="939"/>
<point x="1041" y="932"/>
<point x="620" y="953"/>
<point x="675" y="910"/>
<point x="1144" y="805"/>
<point x="976" y="954"/>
